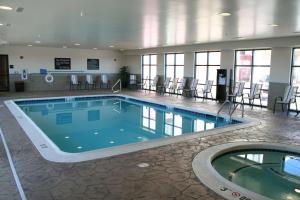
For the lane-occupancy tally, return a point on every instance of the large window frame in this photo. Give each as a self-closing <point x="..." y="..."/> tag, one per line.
<point x="207" y="66"/>
<point x="294" y="66"/>
<point x="175" y="64"/>
<point x="150" y="65"/>
<point x="252" y="66"/>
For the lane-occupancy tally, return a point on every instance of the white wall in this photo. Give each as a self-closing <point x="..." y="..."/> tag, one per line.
<point x="43" y="57"/>
<point x="133" y="62"/>
<point x="280" y="63"/>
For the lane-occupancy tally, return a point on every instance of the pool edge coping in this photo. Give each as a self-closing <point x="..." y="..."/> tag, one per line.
<point x="208" y="176"/>
<point x="50" y="151"/>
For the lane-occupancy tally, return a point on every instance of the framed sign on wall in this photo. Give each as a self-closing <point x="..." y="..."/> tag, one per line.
<point x="62" y="63"/>
<point x="93" y="64"/>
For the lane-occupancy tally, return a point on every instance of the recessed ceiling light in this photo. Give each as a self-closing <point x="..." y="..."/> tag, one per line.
<point x="37" y="41"/>
<point x="77" y="44"/>
<point x="1" y="24"/>
<point x="111" y="46"/>
<point x="224" y="14"/>
<point x="29" y="45"/>
<point x="5" y="8"/>
<point x="273" y="25"/>
<point x="297" y="191"/>
<point x="95" y="48"/>
<point x="81" y="14"/>
<point x="64" y="47"/>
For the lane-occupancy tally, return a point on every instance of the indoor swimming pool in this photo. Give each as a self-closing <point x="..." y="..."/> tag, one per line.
<point x="85" y="124"/>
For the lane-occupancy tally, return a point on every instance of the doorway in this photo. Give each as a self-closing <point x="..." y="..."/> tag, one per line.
<point x="4" y="73"/>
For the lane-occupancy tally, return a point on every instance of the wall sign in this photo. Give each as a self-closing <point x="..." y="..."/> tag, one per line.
<point x="62" y="63"/>
<point x="93" y="64"/>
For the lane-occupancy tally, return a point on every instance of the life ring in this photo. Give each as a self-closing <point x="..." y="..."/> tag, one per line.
<point x="49" y="78"/>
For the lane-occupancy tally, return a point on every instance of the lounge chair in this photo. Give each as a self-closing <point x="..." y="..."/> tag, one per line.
<point x="181" y="86"/>
<point x="154" y="83"/>
<point x="74" y="82"/>
<point x="133" y="81"/>
<point x="104" y="83"/>
<point x="162" y="88"/>
<point x="89" y="81"/>
<point x="288" y="98"/>
<point x="192" y="90"/>
<point x="173" y="86"/>
<point x="207" y="89"/>
<point x="238" y="92"/>
<point x="255" y="93"/>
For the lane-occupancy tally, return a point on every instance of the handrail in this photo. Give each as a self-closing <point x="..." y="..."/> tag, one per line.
<point x="232" y="108"/>
<point x="119" y="82"/>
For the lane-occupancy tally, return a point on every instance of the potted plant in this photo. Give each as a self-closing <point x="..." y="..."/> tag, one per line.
<point x="124" y="76"/>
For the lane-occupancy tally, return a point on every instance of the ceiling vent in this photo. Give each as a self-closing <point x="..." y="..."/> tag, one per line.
<point x="20" y="9"/>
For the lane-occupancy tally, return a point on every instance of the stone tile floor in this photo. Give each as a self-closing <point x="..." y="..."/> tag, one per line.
<point x="170" y="175"/>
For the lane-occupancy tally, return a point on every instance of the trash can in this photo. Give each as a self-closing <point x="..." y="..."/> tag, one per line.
<point x="19" y="86"/>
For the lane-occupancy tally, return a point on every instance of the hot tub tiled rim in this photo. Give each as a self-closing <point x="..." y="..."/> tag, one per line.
<point x="205" y="172"/>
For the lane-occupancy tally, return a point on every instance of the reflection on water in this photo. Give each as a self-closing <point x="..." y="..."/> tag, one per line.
<point x="174" y="124"/>
<point x="78" y="126"/>
<point x="273" y="174"/>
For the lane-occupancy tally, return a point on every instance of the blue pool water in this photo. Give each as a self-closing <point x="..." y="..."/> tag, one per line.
<point x="271" y="173"/>
<point x="88" y="123"/>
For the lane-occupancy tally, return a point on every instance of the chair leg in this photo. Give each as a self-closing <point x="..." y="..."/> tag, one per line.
<point x="274" y="106"/>
<point x="296" y="108"/>
<point x="288" y="109"/>
<point x="282" y="108"/>
<point x="260" y="102"/>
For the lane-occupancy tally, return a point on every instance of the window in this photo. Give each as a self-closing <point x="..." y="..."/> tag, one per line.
<point x="253" y="66"/>
<point x="149" y="118"/>
<point x="174" y="65"/>
<point x="206" y="65"/>
<point x="149" y="69"/>
<point x="295" y="73"/>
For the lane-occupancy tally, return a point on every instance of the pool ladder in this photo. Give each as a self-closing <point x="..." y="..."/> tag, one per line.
<point x="118" y="83"/>
<point x="232" y="108"/>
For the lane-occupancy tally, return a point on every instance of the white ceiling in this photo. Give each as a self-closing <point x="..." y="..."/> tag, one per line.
<point x="133" y="24"/>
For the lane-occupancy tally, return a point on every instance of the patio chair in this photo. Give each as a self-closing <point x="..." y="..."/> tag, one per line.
<point x="288" y="98"/>
<point x="74" y="82"/>
<point x="162" y="88"/>
<point x="181" y="87"/>
<point x="173" y="86"/>
<point x="255" y="93"/>
<point x="104" y="83"/>
<point x="133" y="81"/>
<point x="238" y="92"/>
<point x="89" y="81"/>
<point x="207" y="89"/>
<point x="192" y="90"/>
<point x="154" y="83"/>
